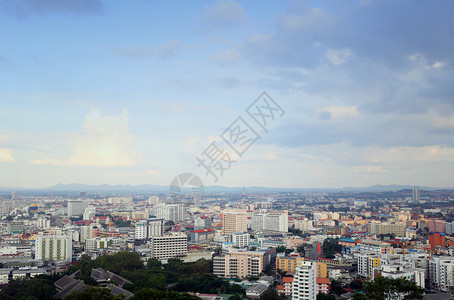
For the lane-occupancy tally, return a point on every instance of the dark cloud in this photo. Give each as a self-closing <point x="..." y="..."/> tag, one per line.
<point x="382" y="31"/>
<point x="25" y="8"/>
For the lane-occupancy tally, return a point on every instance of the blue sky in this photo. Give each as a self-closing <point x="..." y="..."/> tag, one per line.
<point x="132" y="92"/>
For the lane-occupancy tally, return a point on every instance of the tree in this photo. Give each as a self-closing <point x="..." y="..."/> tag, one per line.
<point x="356" y="284"/>
<point x="382" y="288"/>
<point x="270" y="295"/>
<point x="323" y="296"/>
<point x="336" y="287"/>
<point x="152" y="294"/>
<point x="154" y="263"/>
<point x="330" y="247"/>
<point x="39" y="288"/>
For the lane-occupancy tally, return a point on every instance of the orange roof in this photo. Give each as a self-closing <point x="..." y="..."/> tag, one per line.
<point x="287" y="279"/>
<point x="322" y="280"/>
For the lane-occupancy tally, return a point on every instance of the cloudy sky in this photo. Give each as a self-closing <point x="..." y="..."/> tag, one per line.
<point x="134" y="92"/>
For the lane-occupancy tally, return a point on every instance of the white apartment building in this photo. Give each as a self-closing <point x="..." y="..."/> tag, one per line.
<point x="99" y="243"/>
<point x="367" y="261"/>
<point x="87" y="232"/>
<point x="202" y="223"/>
<point x="76" y="207"/>
<point x="89" y="213"/>
<point x="119" y="200"/>
<point x="43" y="223"/>
<point x="145" y="229"/>
<point x="270" y="221"/>
<point x="170" y="212"/>
<point x="153" y="200"/>
<point x="56" y="247"/>
<point x="304" y="225"/>
<point x="320" y="216"/>
<point x="400" y="271"/>
<point x="304" y="281"/>
<point x="169" y="246"/>
<point x="240" y="239"/>
<point x="441" y="273"/>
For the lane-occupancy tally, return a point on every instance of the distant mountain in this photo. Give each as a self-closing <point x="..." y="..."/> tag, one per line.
<point x="77" y="187"/>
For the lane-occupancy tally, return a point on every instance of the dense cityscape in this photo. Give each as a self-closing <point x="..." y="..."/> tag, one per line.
<point x="269" y="246"/>
<point x="226" y="150"/>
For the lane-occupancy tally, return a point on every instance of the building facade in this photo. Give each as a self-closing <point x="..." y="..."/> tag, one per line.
<point x="56" y="247"/>
<point x="304" y="282"/>
<point x="169" y="246"/>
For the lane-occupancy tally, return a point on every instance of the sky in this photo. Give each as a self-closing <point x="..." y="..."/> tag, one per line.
<point x="358" y="93"/>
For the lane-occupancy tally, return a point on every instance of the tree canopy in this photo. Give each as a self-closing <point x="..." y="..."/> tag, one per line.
<point x="382" y="288"/>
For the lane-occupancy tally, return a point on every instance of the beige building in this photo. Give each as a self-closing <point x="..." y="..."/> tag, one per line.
<point x="242" y="264"/>
<point x="398" y="229"/>
<point x="234" y="222"/>
<point x="169" y="246"/>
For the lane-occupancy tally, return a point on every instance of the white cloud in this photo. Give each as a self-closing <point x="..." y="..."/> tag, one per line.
<point x="228" y="56"/>
<point x="6" y="155"/>
<point x="339" y="56"/>
<point x="152" y="172"/>
<point x="105" y="141"/>
<point x="342" y="111"/>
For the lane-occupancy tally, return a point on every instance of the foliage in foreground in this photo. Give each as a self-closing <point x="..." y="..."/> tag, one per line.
<point x="382" y="288"/>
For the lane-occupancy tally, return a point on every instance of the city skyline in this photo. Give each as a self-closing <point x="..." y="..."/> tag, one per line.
<point x="98" y="92"/>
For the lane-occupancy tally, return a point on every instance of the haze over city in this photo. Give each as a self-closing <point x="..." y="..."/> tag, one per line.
<point x="116" y="92"/>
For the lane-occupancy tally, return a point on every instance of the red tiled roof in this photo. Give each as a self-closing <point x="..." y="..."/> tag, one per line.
<point x="288" y="279"/>
<point x="322" y="280"/>
<point x="202" y="230"/>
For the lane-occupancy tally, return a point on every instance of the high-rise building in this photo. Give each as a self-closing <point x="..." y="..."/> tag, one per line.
<point x="367" y="261"/>
<point x="43" y="223"/>
<point x="153" y="200"/>
<point x="89" y="213"/>
<point x="270" y="221"/>
<point x="415" y="194"/>
<point x="304" y="282"/>
<point x="56" y="247"/>
<point x="15" y="195"/>
<point x="441" y="270"/>
<point x="145" y="229"/>
<point x="77" y="207"/>
<point x="170" y="212"/>
<point x="234" y="222"/>
<point x="202" y="222"/>
<point x="437" y="239"/>
<point x="99" y="243"/>
<point x="169" y="246"/>
<point x="240" y="239"/>
<point x="87" y="232"/>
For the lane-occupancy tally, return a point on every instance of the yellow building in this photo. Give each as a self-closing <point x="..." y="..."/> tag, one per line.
<point x="234" y="222"/>
<point x="288" y="263"/>
<point x="322" y="270"/>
